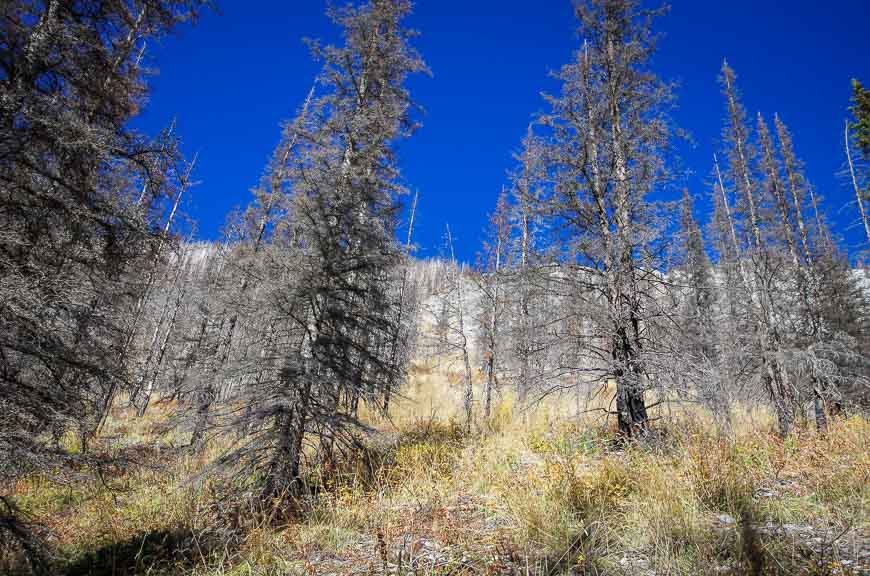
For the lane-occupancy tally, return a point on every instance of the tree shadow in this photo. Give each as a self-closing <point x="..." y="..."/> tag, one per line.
<point x="160" y="552"/>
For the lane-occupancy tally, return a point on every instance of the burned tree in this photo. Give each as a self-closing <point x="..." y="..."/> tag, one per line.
<point x="699" y="344"/>
<point x="788" y="271"/>
<point x="81" y="197"/>
<point x="609" y="135"/>
<point x="491" y="284"/>
<point x="526" y="190"/>
<point x="333" y="255"/>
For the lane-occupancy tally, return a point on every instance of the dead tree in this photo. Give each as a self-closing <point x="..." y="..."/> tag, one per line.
<point x="72" y="209"/>
<point x="490" y="286"/>
<point x="526" y="191"/>
<point x="605" y="155"/>
<point x="406" y="315"/>
<point x="459" y="306"/>
<point x="761" y="262"/>
<point x="698" y="343"/>
<point x="333" y="254"/>
<point x="74" y="221"/>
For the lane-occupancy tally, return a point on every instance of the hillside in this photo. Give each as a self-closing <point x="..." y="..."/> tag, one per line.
<point x="650" y="357"/>
<point x="540" y="492"/>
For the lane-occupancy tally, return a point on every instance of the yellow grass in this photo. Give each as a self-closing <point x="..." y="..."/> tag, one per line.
<point x="531" y="491"/>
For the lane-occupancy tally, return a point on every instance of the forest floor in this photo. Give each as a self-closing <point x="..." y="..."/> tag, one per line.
<point x="543" y="492"/>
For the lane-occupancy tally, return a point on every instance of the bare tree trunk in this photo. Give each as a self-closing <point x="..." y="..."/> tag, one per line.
<point x="491" y="381"/>
<point x="819" y="409"/>
<point x="161" y="352"/>
<point x="158" y="325"/>
<point x="632" y="415"/>
<point x="630" y="406"/>
<point x="468" y="399"/>
<point x="152" y="269"/>
<point x="823" y="230"/>
<point x="191" y="358"/>
<point x="743" y="164"/>
<point x="285" y="468"/>
<point x="146" y="292"/>
<point x="777" y="188"/>
<point x="490" y="367"/>
<point x="203" y="399"/>
<point x="525" y="318"/>
<point x="397" y="344"/>
<point x="206" y="391"/>
<point x="244" y="429"/>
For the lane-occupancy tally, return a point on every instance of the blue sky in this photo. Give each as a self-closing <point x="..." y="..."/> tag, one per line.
<point x="234" y="77"/>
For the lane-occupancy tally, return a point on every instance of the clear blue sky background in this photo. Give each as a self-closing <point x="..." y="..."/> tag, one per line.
<point x="233" y="78"/>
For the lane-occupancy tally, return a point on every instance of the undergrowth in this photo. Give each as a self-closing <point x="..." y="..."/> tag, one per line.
<point x="532" y="493"/>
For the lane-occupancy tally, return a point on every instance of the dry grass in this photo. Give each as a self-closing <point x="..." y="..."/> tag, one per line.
<point x="533" y="492"/>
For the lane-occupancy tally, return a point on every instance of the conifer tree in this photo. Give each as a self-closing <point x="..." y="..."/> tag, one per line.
<point x="699" y="279"/>
<point x="700" y="340"/>
<point x="82" y="197"/>
<point x="860" y="110"/>
<point x="790" y="271"/>
<point x="830" y="308"/>
<point x="526" y="183"/>
<point x="609" y="133"/>
<point x="760" y="257"/>
<point x="858" y="132"/>
<point x="334" y="253"/>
